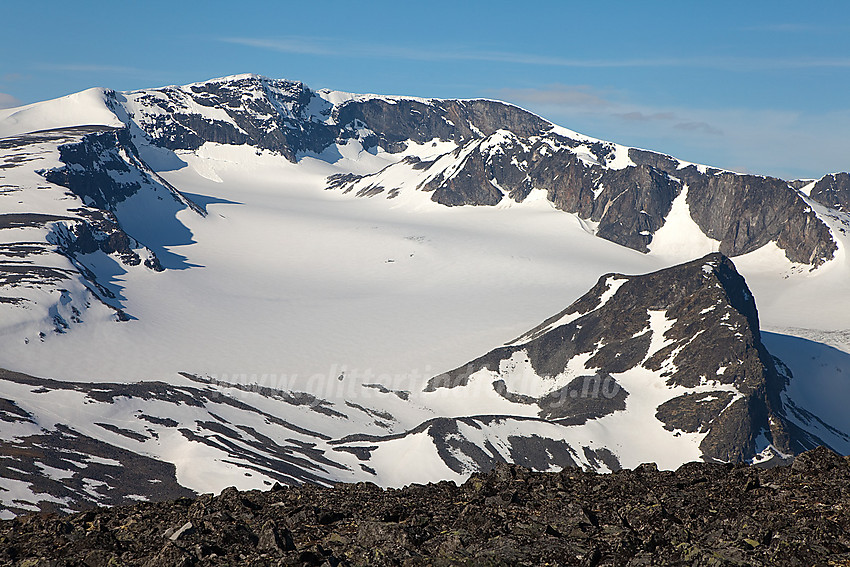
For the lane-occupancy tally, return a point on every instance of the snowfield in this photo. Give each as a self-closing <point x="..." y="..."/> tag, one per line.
<point x="276" y="288"/>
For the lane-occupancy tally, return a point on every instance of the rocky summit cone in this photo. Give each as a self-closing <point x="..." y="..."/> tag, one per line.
<point x="689" y="333"/>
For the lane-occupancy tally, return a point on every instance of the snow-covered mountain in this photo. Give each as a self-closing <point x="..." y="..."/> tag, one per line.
<point x="245" y="281"/>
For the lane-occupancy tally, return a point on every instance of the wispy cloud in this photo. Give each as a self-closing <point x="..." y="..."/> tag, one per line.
<point x="784" y="143"/>
<point x="561" y="95"/>
<point x="333" y="47"/>
<point x="336" y="48"/>
<point x="585" y="100"/>
<point x="702" y="127"/>
<point x="89" y="68"/>
<point x="8" y="101"/>
<point x="637" y="116"/>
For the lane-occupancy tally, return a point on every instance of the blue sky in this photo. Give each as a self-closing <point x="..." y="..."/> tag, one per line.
<point x="752" y="86"/>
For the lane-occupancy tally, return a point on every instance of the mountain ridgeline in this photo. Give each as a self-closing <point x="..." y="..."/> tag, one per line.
<point x="668" y="366"/>
<point x="501" y="152"/>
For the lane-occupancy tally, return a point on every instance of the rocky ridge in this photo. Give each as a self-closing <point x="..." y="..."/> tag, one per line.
<point x="700" y="514"/>
<point x="500" y="152"/>
<point x="694" y="325"/>
<point x="833" y="191"/>
<point x="54" y="249"/>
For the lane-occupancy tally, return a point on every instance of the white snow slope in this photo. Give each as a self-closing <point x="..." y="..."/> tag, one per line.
<point x="289" y="286"/>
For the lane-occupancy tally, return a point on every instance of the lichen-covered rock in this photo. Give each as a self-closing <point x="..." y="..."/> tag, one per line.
<point x="701" y="514"/>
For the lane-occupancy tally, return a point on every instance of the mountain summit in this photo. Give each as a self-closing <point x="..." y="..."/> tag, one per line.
<point x="678" y="350"/>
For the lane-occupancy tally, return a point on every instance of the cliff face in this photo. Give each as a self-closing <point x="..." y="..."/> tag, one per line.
<point x="745" y="212"/>
<point x="628" y="192"/>
<point x="499" y="152"/>
<point x="833" y="191"/>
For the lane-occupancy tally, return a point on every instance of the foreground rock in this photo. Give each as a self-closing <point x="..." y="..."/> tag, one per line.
<point x="701" y="514"/>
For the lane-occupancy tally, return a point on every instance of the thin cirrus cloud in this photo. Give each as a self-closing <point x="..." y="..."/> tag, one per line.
<point x="585" y="100"/>
<point x="573" y="96"/>
<point x="336" y="48"/>
<point x="695" y="126"/>
<point x="332" y="47"/>
<point x="700" y="127"/>
<point x="783" y="143"/>
<point x="89" y="68"/>
<point x="638" y="116"/>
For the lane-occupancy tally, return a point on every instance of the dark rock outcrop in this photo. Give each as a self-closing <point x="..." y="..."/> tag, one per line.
<point x="67" y="466"/>
<point x="709" y="330"/>
<point x="264" y="113"/>
<point x="833" y="191"/>
<point x="629" y="202"/>
<point x="701" y="514"/>
<point x="745" y="212"/>
<point x="103" y="168"/>
<point x="396" y="121"/>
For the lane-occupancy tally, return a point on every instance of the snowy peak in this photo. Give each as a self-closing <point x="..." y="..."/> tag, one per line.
<point x="246" y="109"/>
<point x="499" y="153"/>
<point x="86" y="108"/>
<point x="689" y="334"/>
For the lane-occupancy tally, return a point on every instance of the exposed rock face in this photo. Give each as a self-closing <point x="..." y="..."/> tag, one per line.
<point x="694" y="325"/>
<point x="397" y="121"/>
<point x="100" y="169"/>
<point x="745" y="212"/>
<point x="629" y="204"/>
<point x="701" y="514"/>
<point x="833" y="191"/>
<point x="502" y="152"/>
<point x="629" y="195"/>
<point x="103" y="169"/>
<point x="264" y="113"/>
<point x="116" y="457"/>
